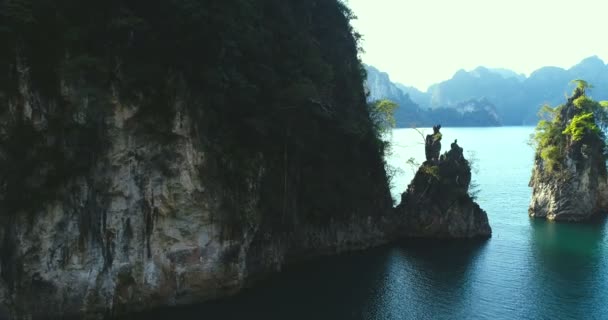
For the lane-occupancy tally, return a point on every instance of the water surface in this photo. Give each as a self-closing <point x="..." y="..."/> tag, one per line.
<point x="529" y="269"/>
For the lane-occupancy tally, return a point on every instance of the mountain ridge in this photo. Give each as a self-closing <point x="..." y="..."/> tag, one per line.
<point x="413" y="110"/>
<point x="517" y="97"/>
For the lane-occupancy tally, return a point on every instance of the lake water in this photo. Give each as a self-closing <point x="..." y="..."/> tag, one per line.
<point x="529" y="269"/>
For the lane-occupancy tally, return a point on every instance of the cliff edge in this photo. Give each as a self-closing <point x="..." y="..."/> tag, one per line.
<point x="170" y="154"/>
<point x="569" y="175"/>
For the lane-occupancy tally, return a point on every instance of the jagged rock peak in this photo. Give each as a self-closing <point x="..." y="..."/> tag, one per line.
<point x="437" y="202"/>
<point x="569" y="175"/>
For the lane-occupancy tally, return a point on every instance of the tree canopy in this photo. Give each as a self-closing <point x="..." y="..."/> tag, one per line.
<point x="382" y="113"/>
<point x="581" y="120"/>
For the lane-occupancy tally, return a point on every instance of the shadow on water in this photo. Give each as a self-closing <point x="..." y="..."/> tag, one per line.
<point x="392" y="282"/>
<point x="327" y="288"/>
<point x="429" y="279"/>
<point x="568" y="269"/>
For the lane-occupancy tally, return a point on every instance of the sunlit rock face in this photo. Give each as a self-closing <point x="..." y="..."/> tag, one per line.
<point x="577" y="193"/>
<point x="575" y="189"/>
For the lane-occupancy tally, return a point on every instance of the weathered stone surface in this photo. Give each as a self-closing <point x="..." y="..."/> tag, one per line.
<point x="576" y="194"/>
<point x="432" y="145"/>
<point x="133" y="216"/>
<point x="144" y="225"/>
<point x="437" y="203"/>
<point x="577" y="189"/>
<point x="143" y="228"/>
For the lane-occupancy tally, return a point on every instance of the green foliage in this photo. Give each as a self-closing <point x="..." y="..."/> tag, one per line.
<point x="431" y="170"/>
<point x="437" y="136"/>
<point x="547" y="133"/>
<point x="582" y="84"/>
<point x="382" y="114"/>
<point x="584" y="103"/>
<point x="548" y="137"/>
<point x="588" y="119"/>
<point x="272" y="79"/>
<point x="549" y="113"/>
<point x="551" y="155"/>
<point x="413" y="164"/>
<point x="581" y="125"/>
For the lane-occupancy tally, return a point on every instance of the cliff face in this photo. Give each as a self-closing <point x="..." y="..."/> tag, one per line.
<point x="408" y="113"/>
<point x="577" y="196"/>
<point x="170" y="154"/>
<point x="570" y="185"/>
<point x="380" y="86"/>
<point x="151" y="223"/>
<point x="437" y="203"/>
<point x="162" y="155"/>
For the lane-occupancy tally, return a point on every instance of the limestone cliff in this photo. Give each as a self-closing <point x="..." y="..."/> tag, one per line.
<point x="168" y="154"/>
<point x="569" y="175"/>
<point x="437" y="202"/>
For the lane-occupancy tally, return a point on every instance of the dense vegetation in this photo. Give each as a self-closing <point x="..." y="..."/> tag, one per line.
<point x="273" y="81"/>
<point x="382" y="113"/>
<point x="581" y="121"/>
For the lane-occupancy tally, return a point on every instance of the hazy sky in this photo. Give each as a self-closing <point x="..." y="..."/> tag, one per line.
<point x="420" y="42"/>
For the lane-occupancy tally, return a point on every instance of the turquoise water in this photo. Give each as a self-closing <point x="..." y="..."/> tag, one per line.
<point x="529" y="269"/>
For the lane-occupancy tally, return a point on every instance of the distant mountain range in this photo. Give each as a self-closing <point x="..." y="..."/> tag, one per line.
<point x="515" y="97"/>
<point x="470" y="112"/>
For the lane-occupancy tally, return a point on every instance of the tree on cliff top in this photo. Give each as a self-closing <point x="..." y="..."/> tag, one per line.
<point x="580" y="120"/>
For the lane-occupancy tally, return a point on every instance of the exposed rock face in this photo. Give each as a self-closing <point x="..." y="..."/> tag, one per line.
<point x="432" y="144"/>
<point x="575" y="188"/>
<point x="437" y="203"/>
<point x="380" y="86"/>
<point x="148" y="225"/>
<point x="154" y="162"/>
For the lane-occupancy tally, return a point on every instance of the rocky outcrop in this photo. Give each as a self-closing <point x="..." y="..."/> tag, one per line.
<point x="432" y="144"/>
<point x="154" y="221"/>
<point x="159" y="155"/>
<point x="437" y="203"/>
<point x="570" y="185"/>
<point x="151" y="222"/>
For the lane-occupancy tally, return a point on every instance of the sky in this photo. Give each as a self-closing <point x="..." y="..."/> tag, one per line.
<point x="421" y="42"/>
